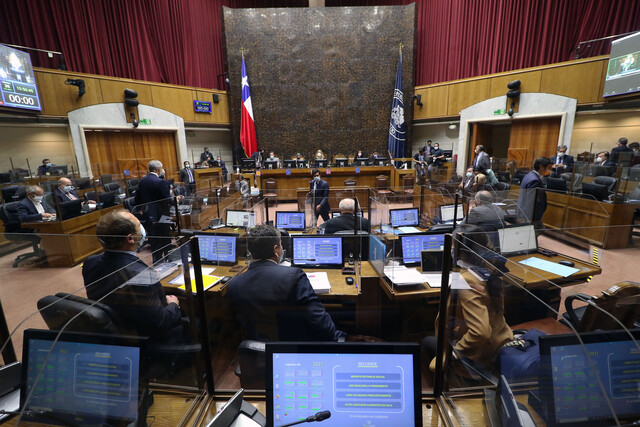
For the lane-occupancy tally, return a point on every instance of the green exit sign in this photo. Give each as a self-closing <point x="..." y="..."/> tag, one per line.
<point x="145" y="121"/>
<point x="495" y="113"/>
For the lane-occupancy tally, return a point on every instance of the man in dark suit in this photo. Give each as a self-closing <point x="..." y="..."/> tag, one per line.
<point x="45" y="167"/>
<point x="346" y="219"/>
<point x="486" y="216"/>
<point x="603" y="159"/>
<point x="482" y="158"/>
<point x="532" y="206"/>
<point x="274" y="302"/>
<point x="141" y="303"/>
<point x="562" y="162"/>
<point x="153" y="199"/>
<point x="436" y="158"/>
<point x="64" y="191"/>
<point x="33" y="208"/>
<point x="258" y="157"/>
<point x="620" y="148"/>
<point x="223" y="166"/>
<point x="188" y="177"/>
<point x="319" y="189"/>
<point x="420" y="163"/>
<point x="206" y="156"/>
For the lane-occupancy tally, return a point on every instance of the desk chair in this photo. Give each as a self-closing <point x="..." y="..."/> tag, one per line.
<point x="50" y="199"/>
<point x="609" y="181"/>
<point x="106" y="179"/>
<point x="382" y="185"/>
<point x="82" y="183"/>
<point x="14" y="193"/>
<point x="271" y="191"/>
<point x="95" y="317"/>
<point x="621" y="301"/>
<point x="112" y="186"/>
<point x="5" y="177"/>
<point x="577" y="180"/>
<point x="407" y="186"/>
<point x="251" y="365"/>
<point x="14" y="232"/>
<point x="132" y="186"/>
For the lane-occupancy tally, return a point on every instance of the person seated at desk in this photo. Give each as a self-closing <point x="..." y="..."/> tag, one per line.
<point x="480" y="184"/>
<point x="346" y="219"/>
<point x="274" y="302"/>
<point x="486" y="215"/>
<point x="466" y="185"/>
<point x="604" y="161"/>
<point x="33" y="208"/>
<point x="360" y="155"/>
<point x="481" y="330"/>
<point x="272" y="157"/>
<point x="373" y="157"/>
<point x="562" y="162"/>
<point x="144" y="307"/>
<point x="45" y="167"/>
<point x="65" y="191"/>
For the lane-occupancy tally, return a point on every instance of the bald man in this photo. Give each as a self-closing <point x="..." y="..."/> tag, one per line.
<point x="65" y="191"/>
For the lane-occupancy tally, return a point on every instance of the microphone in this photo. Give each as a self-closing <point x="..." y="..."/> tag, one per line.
<point x="320" y="416"/>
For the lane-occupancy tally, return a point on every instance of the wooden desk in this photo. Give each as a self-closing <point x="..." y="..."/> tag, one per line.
<point x="200" y="218"/>
<point x="70" y="242"/>
<point x="208" y="178"/>
<point x="532" y="278"/>
<point x="584" y="221"/>
<point x="336" y="194"/>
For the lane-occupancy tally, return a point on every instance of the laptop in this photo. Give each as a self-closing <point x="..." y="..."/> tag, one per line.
<point x="290" y="221"/>
<point x="218" y="249"/>
<point x="518" y="240"/>
<point x="569" y="389"/>
<point x="87" y="379"/>
<point x="317" y="251"/>
<point x="240" y="219"/>
<point x="414" y="244"/>
<point x="408" y="217"/>
<point x="357" y="383"/>
<point x="447" y="212"/>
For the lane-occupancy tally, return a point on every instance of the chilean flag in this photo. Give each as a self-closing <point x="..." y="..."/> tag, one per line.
<point x="247" y="126"/>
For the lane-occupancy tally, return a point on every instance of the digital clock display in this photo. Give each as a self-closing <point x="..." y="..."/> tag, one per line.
<point x="202" y="107"/>
<point x="17" y="80"/>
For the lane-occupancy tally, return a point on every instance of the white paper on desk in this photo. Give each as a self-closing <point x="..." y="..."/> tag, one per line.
<point x="319" y="282"/>
<point x="435" y="279"/>
<point x="458" y="282"/>
<point x="551" y="267"/>
<point x="179" y="280"/>
<point x="408" y="230"/>
<point x="403" y="276"/>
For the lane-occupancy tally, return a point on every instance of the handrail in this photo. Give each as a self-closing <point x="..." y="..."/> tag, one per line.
<point x="576" y="51"/>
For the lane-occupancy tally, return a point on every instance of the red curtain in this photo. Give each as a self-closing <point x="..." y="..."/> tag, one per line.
<point x="181" y="42"/>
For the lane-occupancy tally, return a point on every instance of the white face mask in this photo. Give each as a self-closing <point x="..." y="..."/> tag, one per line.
<point x="599" y="160"/>
<point x="37" y="199"/>
<point x="488" y="171"/>
<point x="560" y="154"/>
<point x="271" y="157"/>
<point x="67" y="188"/>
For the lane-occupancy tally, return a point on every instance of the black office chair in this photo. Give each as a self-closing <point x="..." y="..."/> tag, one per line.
<point x="82" y="183"/>
<point x="251" y="365"/>
<point x="5" y="177"/>
<point x="577" y="180"/>
<point x="132" y="186"/>
<point x="106" y="179"/>
<point x="609" y="181"/>
<point x="14" y="232"/>
<point x="50" y="199"/>
<point x="91" y="195"/>
<point x="112" y="186"/>
<point x="14" y="193"/>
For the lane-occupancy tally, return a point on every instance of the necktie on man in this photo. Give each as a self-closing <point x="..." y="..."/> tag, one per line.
<point x="190" y="175"/>
<point x="71" y="196"/>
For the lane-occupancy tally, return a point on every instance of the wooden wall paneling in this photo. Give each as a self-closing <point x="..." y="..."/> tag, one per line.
<point x="220" y="111"/>
<point x="159" y="146"/>
<point x="465" y="94"/>
<point x="530" y="83"/>
<point x="581" y="81"/>
<point x="113" y="91"/>
<point x="106" y="148"/>
<point x="481" y="135"/>
<point x="533" y="138"/>
<point x="177" y="100"/>
<point x="58" y="98"/>
<point x="435" y="102"/>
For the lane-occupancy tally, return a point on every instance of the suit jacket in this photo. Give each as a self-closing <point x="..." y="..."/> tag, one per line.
<point x="184" y="175"/>
<point x="224" y="167"/>
<point x="482" y="159"/>
<point x="489" y="218"/>
<point x="142" y="306"/>
<point x="567" y="161"/>
<point x="610" y="165"/>
<point x="527" y="200"/>
<point x="42" y="170"/>
<point x="320" y="196"/>
<point x="28" y="212"/>
<point x="274" y="302"/>
<point x="63" y="197"/>
<point x="345" y="222"/>
<point x="153" y="189"/>
<point x="206" y="156"/>
<point x="615" y="152"/>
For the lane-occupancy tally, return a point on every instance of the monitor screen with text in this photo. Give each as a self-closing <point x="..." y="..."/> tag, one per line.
<point x="320" y="251"/>
<point x="290" y="220"/>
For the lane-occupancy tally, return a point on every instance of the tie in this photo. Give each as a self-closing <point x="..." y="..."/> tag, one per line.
<point x="190" y="176"/>
<point x="71" y="196"/>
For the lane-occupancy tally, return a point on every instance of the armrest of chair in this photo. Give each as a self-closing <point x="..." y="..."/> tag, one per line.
<point x="568" y="305"/>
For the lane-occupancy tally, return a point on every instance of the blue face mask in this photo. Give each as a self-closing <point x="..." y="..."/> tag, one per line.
<point x="316" y="178"/>
<point x="469" y="174"/>
<point x="48" y="165"/>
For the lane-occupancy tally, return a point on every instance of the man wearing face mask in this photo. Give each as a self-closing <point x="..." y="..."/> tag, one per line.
<point x="482" y="158"/>
<point x="437" y="159"/>
<point x="224" y="168"/>
<point x="33" y="208"/>
<point x="273" y="157"/>
<point x="603" y="160"/>
<point x="532" y="206"/>
<point x="142" y="306"/>
<point x="153" y="200"/>
<point x="319" y="195"/>
<point x="206" y="156"/>
<point x="45" y="167"/>
<point x="65" y="191"/>
<point x="188" y="177"/>
<point x="277" y="303"/>
<point x="467" y="183"/>
<point x="562" y="162"/>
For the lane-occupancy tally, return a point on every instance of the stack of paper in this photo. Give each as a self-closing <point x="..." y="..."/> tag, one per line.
<point x="320" y="282"/>
<point x="408" y="230"/>
<point x="403" y="276"/>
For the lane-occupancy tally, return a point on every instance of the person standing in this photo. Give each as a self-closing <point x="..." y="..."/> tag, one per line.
<point x="319" y="189"/>
<point x="421" y="163"/>
<point x="206" y="156"/>
<point x="437" y="156"/>
<point x="482" y="158"/>
<point x="620" y="148"/>
<point x="224" y="168"/>
<point x="532" y="202"/>
<point x="188" y="177"/>
<point x="153" y="199"/>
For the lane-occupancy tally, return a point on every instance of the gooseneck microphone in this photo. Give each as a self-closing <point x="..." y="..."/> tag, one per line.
<point x="320" y="416"/>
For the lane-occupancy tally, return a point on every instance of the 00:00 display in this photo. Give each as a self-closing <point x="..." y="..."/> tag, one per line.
<point x="17" y="99"/>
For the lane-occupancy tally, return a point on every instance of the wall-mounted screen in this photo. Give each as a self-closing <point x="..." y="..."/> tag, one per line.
<point x="623" y="71"/>
<point x="17" y="81"/>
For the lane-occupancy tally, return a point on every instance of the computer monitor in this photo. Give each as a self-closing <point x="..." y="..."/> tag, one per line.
<point x="358" y="383"/>
<point x="320" y="163"/>
<point x="292" y="221"/>
<point x="408" y="217"/>
<point x="289" y="164"/>
<point x="214" y="164"/>
<point x="271" y="164"/>
<point x="379" y="161"/>
<point x="447" y="211"/>
<point x="88" y="379"/>
<point x="242" y="219"/>
<point x="572" y="394"/>
<point x="361" y="161"/>
<point x="59" y="170"/>
<point x="219" y="249"/>
<point x="557" y="184"/>
<point x="341" y="162"/>
<point x="248" y="164"/>
<point x="447" y="154"/>
<point x="413" y="245"/>
<point x="592" y="191"/>
<point x="70" y="209"/>
<point x="519" y="239"/>
<point x="317" y="251"/>
<point x="301" y="164"/>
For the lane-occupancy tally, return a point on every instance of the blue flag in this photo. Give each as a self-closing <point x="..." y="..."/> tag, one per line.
<point x="397" y="125"/>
